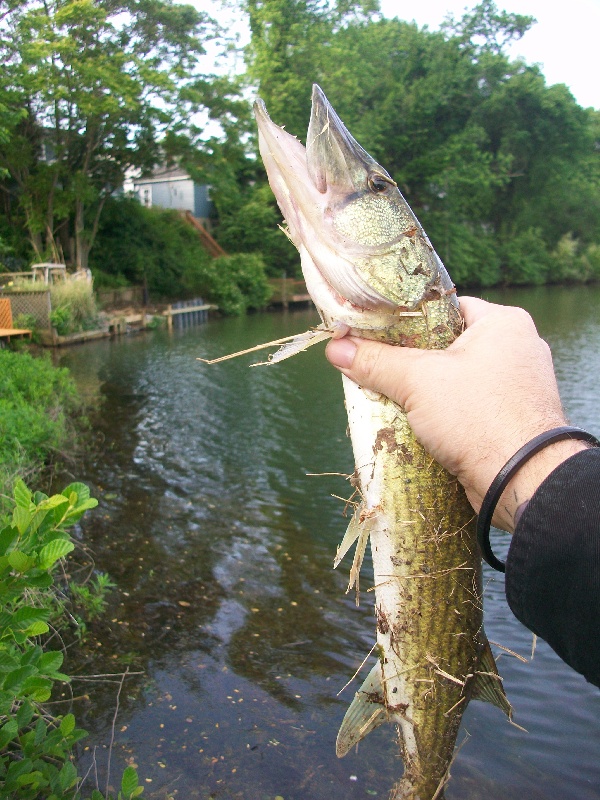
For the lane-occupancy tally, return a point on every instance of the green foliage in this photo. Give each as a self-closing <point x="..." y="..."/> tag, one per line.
<point x="93" y="85"/>
<point x="238" y="282"/>
<point x="36" y="747"/>
<point x="38" y="403"/>
<point x="484" y="151"/>
<point x="73" y="307"/>
<point x="160" y="249"/>
<point x="498" y="166"/>
<point x="525" y="258"/>
<point x="88" y="601"/>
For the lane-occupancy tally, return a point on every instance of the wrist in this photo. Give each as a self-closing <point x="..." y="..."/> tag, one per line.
<point x="528" y="479"/>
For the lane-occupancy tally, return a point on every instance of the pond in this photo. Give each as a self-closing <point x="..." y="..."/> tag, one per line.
<point x="220" y="535"/>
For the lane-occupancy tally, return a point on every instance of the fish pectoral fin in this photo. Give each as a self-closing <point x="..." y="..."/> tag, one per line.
<point x="351" y="535"/>
<point x="290" y="346"/>
<point x="359" y="530"/>
<point x="486" y="683"/>
<point x="297" y="344"/>
<point x="366" y="712"/>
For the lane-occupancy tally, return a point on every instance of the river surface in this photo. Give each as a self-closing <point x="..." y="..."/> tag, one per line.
<point x="220" y="540"/>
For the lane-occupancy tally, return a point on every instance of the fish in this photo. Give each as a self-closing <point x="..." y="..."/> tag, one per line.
<point x="371" y="271"/>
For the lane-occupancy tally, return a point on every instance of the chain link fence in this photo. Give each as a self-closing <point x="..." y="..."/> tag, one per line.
<point x="33" y="304"/>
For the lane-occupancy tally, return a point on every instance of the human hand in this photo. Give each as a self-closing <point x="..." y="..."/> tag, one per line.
<point x="473" y="405"/>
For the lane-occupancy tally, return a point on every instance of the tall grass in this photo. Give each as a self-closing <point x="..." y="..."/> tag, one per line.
<point x="73" y="306"/>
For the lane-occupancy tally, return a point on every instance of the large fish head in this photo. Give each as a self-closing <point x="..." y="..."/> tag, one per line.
<point x="362" y="249"/>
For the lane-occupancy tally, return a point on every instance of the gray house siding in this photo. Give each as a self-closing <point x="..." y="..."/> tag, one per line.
<point x="178" y="192"/>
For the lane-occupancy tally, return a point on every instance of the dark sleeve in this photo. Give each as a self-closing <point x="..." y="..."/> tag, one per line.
<point x="553" y="564"/>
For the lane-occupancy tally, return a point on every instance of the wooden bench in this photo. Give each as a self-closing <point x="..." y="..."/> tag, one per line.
<point x="6" y="322"/>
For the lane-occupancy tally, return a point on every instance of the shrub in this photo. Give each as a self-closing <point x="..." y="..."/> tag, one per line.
<point x="36" y="747"/>
<point x="525" y="258"/>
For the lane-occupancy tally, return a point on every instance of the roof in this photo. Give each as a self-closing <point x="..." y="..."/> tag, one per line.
<point x="160" y="174"/>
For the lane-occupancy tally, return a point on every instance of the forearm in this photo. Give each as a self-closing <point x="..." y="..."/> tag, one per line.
<point x="553" y="565"/>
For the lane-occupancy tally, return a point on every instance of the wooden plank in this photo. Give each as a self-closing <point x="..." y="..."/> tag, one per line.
<point x="173" y="311"/>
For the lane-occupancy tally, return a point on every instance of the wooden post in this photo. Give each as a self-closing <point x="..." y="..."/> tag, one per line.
<point x="170" y="318"/>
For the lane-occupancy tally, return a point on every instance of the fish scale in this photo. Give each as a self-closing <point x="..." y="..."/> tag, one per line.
<point x="371" y="270"/>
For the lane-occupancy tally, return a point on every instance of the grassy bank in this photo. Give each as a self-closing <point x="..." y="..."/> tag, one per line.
<point x="39" y="406"/>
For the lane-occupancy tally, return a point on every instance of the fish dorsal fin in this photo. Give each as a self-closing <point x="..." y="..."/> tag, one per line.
<point x="486" y="683"/>
<point x="366" y="712"/>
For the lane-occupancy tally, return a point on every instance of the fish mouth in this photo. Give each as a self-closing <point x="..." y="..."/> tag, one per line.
<point x="308" y="183"/>
<point x="336" y="161"/>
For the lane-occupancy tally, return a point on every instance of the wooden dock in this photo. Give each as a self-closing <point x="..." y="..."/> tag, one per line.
<point x="186" y="313"/>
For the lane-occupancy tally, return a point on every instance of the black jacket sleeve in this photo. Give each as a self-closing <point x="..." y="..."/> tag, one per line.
<point x="553" y="564"/>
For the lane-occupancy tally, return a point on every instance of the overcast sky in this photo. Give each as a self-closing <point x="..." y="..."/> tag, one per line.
<point x="564" y="41"/>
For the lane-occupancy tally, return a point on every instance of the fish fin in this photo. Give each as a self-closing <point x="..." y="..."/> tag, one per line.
<point x="359" y="554"/>
<point x="351" y="535"/>
<point x="366" y="712"/>
<point x="487" y="684"/>
<point x="296" y="345"/>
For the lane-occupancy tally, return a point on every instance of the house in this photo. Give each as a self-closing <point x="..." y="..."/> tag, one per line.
<point x="173" y="188"/>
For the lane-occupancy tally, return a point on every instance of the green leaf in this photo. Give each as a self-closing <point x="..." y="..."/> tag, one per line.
<point x="21" y="518"/>
<point x="27" y="615"/>
<point x="37" y="629"/>
<point x="38" y="688"/>
<point x="7" y="661"/>
<point x="53" y="502"/>
<point x="79" y="489"/>
<point x="32" y="655"/>
<point x="25" y="714"/>
<point x="20" y="561"/>
<point x="18" y="676"/>
<point x="22" y="495"/>
<point x="7" y="537"/>
<point x="41" y="581"/>
<point x="50" y="661"/>
<point x="33" y="779"/>
<point x="129" y="781"/>
<point x="67" y="724"/>
<point x="8" y="732"/>
<point x="67" y="776"/>
<point x="50" y="553"/>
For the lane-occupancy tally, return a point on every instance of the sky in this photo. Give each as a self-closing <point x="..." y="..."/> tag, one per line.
<point x="564" y="41"/>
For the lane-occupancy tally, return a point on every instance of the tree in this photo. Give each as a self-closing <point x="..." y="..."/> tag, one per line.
<point x="491" y="159"/>
<point x="99" y="82"/>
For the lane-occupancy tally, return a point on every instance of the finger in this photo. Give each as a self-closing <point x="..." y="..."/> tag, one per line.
<point x="374" y="365"/>
<point x="474" y="309"/>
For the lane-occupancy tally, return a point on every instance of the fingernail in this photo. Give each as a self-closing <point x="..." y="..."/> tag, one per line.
<point x="341" y="352"/>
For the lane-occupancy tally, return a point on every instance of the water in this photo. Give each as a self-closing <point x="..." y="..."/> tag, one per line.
<point x="221" y="546"/>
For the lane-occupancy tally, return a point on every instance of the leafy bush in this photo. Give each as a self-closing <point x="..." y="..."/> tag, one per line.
<point x="157" y="247"/>
<point x="572" y="264"/>
<point x="237" y="282"/>
<point x="525" y="258"/>
<point x="36" y="748"/>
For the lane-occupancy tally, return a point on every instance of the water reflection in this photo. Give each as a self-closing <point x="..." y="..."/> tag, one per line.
<point x="221" y="547"/>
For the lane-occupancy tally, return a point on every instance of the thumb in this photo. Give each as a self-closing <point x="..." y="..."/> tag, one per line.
<point x="373" y="365"/>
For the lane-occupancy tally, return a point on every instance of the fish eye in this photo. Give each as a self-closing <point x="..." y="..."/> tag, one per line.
<point x="378" y="184"/>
